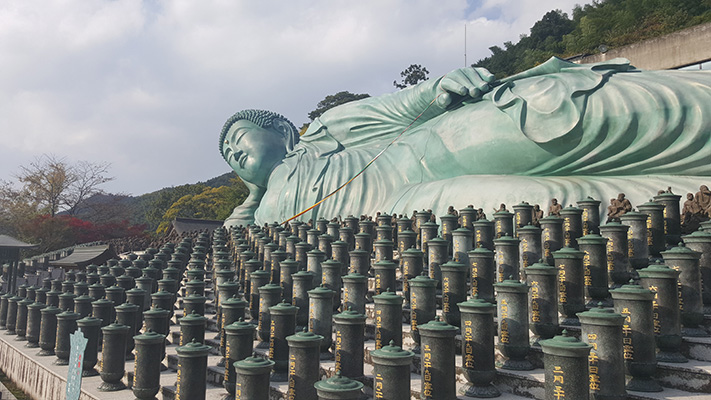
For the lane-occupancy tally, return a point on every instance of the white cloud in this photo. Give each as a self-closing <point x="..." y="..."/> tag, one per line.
<point x="146" y="85"/>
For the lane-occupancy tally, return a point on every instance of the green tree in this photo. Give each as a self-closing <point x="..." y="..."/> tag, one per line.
<point x="164" y="199"/>
<point x="334" y="100"/>
<point x="412" y="75"/>
<point x="612" y="23"/>
<point x="210" y="203"/>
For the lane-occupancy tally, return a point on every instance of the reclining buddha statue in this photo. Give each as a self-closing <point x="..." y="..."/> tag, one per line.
<point x="559" y="130"/>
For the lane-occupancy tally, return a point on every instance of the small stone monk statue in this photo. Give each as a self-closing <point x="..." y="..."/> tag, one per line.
<point x="537" y="215"/>
<point x="554" y="209"/>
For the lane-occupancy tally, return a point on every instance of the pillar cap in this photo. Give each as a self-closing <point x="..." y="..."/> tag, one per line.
<point x="338" y="383"/>
<point x="453" y="266"/>
<point x="384" y="242"/>
<point x="565" y="345"/>
<point x="37" y="305"/>
<point x="124" y="307"/>
<point x="67" y="314"/>
<point x="233" y="301"/>
<point x="221" y="272"/>
<point x="592" y="238"/>
<point x="614" y="226"/>
<point x="192" y="319"/>
<point x="651" y="205"/>
<point x="331" y="263"/>
<point x="477" y="305"/>
<point x="25" y="301"/>
<point x="315" y="252"/>
<point x="507" y="241"/>
<point x="350" y="316"/>
<point x="388" y="298"/>
<point x="283" y="308"/>
<point x="358" y="251"/>
<point x="532" y="229"/>
<point x="522" y="204"/>
<point x="633" y="215"/>
<point x="305" y="337"/>
<point x="156" y="312"/>
<point x="193" y="349"/>
<point x="481" y="251"/>
<point x="259" y="272"/>
<point x="51" y="310"/>
<point x="438" y="326"/>
<point x="551" y="219"/>
<point x="568" y="253"/>
<point x="631" y="291"/>
<point x="193" y="297"/>
<point x="588" y="201"/>
<point x="511" y="285"/>
<point x="135" y="290"/>
<point x="422" y="281"/>
<point x="354" y="276"/>
<point x="601" y="316"/>
<point x="253" y="261"/>
<point x="667" y="196"/>
<point x="541" y="268"/>
<point x="482" y="221"/>
<point x="412" y="252"/>
<point x="438" y="241"/>
<point x="658" y="270"/>
<point x="161" y="293"/>
<point x="101" y="302"/>
<point x="254" y="366"/>
<point x="571" y="210"/>
<point x="321" y="291"/>
<point x="503" y="213"/>
<point x="115" y="328"/>
<point x="463" y="231"/>
<point x="289" y="262"/>
<point x="697" y="237"/>
<point x="270" y="287"/>
<point x="392" y="352"/>
<point x="385" y="264"/>
<point x="89" y="321"/>
<point x="238" y="327"/>
<point x="303" y="274"/>
<point x="149" y="337"/>
<point x="227" y="285"/>
<point x="680" y="251"/>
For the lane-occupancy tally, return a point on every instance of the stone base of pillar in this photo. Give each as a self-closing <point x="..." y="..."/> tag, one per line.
<point x="481" y="392"/>
<point x="643" y="385"/>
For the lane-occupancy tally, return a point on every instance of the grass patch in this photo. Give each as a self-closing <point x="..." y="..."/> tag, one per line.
<point x="13" y="388"/>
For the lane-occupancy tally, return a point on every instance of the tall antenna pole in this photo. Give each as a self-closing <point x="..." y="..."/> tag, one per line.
<point x="465" y="44"/>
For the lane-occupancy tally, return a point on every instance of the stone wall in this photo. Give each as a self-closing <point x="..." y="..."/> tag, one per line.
<point x="675" y="50"/>
<point x="32" y="376"/>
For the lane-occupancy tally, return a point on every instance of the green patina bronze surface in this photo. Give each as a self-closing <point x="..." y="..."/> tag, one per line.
<point x="558" y="130"/>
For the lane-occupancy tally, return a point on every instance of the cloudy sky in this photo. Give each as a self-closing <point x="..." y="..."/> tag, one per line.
<point x="146" y="85"/>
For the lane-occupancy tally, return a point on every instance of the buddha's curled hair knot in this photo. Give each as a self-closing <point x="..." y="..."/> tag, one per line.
<point x="264" y="119"/>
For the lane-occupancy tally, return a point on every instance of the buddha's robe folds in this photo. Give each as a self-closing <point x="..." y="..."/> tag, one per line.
<point x="558" y="130"/>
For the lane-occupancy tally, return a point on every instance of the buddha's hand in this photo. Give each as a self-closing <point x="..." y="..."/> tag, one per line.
<point x="241" y="215"/>
<point x="464" y="84"/>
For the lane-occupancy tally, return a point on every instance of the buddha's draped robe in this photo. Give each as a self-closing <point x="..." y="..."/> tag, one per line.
<point x="558" y="130"/>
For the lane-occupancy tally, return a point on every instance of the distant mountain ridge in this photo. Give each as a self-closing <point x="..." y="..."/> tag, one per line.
<point x="147" y="208"/>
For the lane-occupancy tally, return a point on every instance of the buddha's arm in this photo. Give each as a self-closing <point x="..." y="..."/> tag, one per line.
<point x="360" y="121"/>
<point x="243" y="214"/>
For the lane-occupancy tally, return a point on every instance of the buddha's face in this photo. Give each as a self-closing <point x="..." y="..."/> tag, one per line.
<point x="252" y="151"/>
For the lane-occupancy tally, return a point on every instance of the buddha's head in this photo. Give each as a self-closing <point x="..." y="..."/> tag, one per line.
<point x="253" y="142"/>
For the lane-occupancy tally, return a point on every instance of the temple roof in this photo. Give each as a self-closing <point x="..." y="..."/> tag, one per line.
<point x="11" y="242"/>
<point x="182" y="225"/>
<point x="83" y="256"/>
